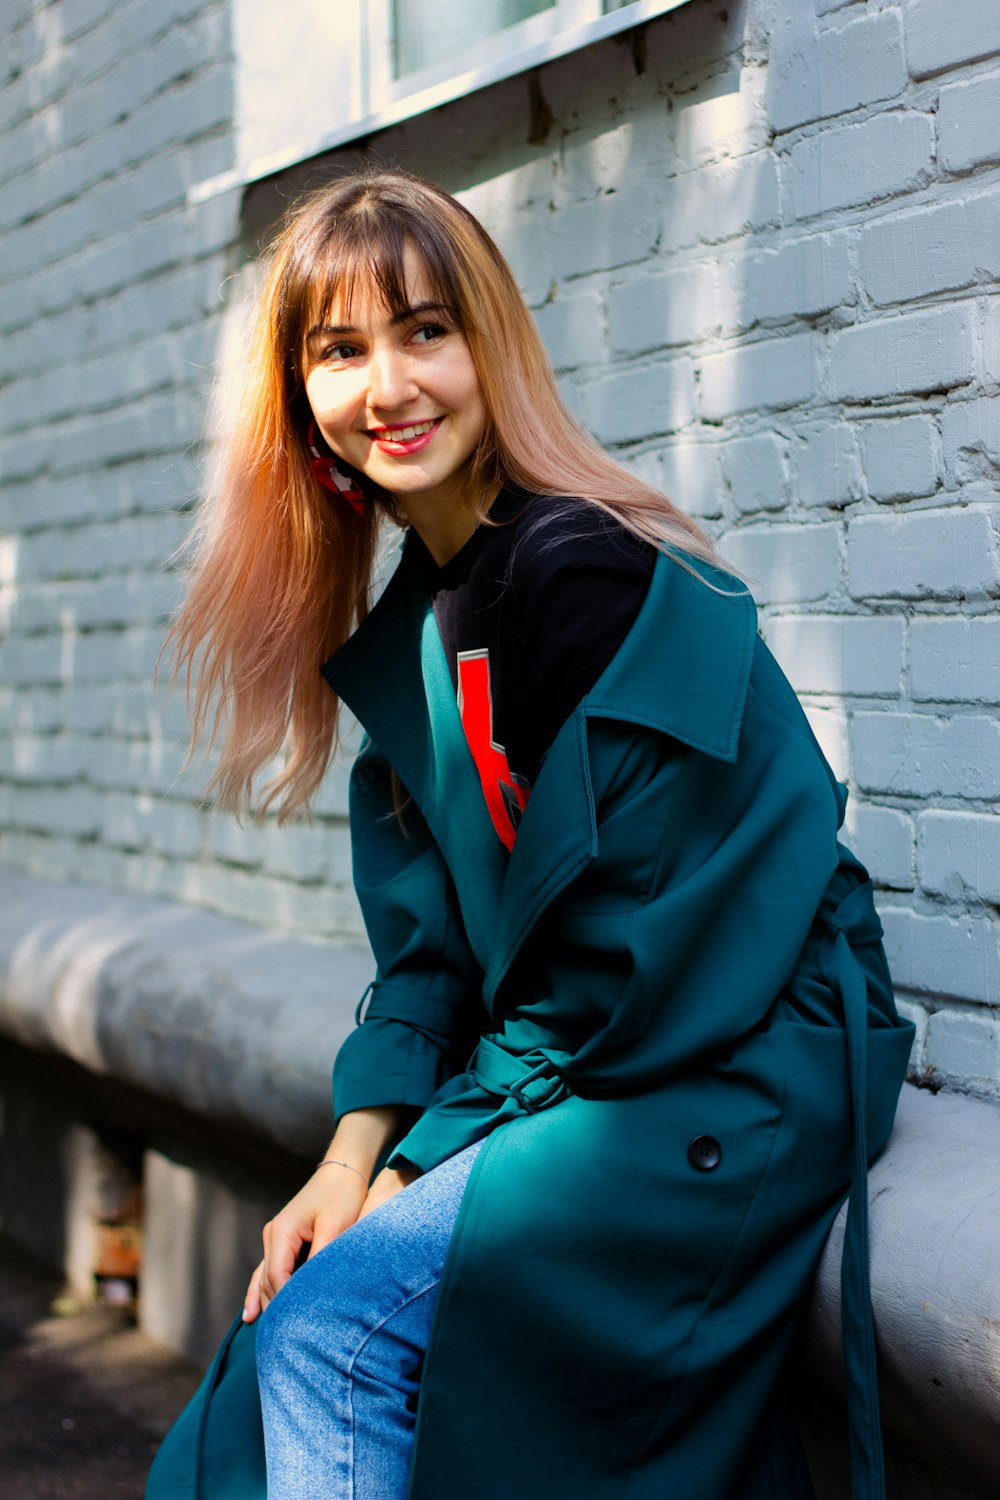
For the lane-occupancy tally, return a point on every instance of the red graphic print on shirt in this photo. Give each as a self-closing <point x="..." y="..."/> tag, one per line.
<point x="506" y="793"/>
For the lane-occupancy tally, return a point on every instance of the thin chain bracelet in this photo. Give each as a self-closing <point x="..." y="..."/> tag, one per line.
<point x="331" y="1161"/>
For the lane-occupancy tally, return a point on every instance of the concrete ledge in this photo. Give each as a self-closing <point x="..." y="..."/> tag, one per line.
<point x="934" y="1204"/>
<point x="238" y="1028"/>
<point x="229" y="1022"/>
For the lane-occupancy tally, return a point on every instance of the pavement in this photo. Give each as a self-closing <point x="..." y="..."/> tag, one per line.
<point x="84" y="1396"/>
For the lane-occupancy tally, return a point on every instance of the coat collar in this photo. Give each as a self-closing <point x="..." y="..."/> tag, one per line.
<point x="685" y="664"/>
<point x="683" y="669"/>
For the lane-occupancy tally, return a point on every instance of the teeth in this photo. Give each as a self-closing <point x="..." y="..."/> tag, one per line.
<point x="404" y="434"/>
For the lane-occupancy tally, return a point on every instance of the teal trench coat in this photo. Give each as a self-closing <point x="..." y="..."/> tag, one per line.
<point x="687" y="1052"/>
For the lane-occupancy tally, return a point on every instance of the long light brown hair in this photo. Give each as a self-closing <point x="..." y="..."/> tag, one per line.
<point x="282" y="570"/>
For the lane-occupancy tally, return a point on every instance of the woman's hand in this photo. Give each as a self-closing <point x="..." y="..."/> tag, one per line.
<point x="328" y="1204"/>
<point x="336" y="1195"/>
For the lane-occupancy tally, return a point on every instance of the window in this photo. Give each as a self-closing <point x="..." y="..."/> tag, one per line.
<point x="322" y="72"/>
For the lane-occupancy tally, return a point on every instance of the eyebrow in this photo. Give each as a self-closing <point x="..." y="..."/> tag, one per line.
<point x="332" y="330"/>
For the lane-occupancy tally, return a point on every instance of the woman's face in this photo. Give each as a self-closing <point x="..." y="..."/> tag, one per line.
<point x="398" y="397"/>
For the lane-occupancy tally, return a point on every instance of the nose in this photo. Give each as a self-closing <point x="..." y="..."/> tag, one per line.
<point x="390" y="384"/>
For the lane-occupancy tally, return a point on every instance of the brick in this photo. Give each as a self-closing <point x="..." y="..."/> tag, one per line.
<point x="859" y="655"/>
<point x="40" y="709"/>
<point x="786" y="564"/>
<point x="633" y="403"/>
<point x="888" y="154"/>
<point x="156" y="425"/>
<point x="944" y="554"/>
<point x="31" y="660"/>
<point x="114" y="655"/>
<point x="964" y="1047"/>
<point x="968" y="123"/>
<point x="922" y="755"/>
<point x="572" y="330"/>
<point x="756" y="470"/>
<point x="649" y="312"/>
<point x="921" y="351"/>
<point x="883" y="839"/>
<point x="939" y="36"/>
<point x="800" y="278"/>
<point x="955" y="659"/>
<point x="74" y="810"/>
<point x="942" y="955"/>
<point x="610" y="231"/>
<point x="42" y="758"/>
<point x="297" y="851"/>
<point x="970" y="432"/>
<point x="100" y="549"/>
<point x="82" y="15"/>
<point x="959" y="855"/>
<point x="771" y="373"/>
<point x="831" y="71"/>
<point x="901" y="457"/>
<point x="143" y="822"/>
<point x="719" y="202"/>
<point x="729" y="119"/>
<point x="258" y="898"/>
<point x="938" y="248"/>
<point x="827" y="464"/>
<point x="991" y="340"/>
<point x="689" y="474"/>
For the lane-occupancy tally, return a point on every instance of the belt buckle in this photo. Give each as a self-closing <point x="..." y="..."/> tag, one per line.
<point x="532" y="1106"/>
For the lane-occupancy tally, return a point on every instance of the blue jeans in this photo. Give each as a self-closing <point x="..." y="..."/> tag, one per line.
<point x="341" y="1348"/>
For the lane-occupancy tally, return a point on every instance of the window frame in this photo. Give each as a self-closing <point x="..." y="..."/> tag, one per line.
<point x="385" y="100"/>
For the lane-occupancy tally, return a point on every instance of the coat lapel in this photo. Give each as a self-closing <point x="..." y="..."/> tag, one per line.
<point x="393" y="676"/>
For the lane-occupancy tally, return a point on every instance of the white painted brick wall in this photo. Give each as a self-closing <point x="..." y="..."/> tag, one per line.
<point x="764" y="251"/>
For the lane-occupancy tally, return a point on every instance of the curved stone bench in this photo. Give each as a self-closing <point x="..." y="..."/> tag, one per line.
<point x="237" y="1027"/>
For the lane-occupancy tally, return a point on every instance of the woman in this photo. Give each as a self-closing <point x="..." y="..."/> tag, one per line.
<point x="632" y="1036"/>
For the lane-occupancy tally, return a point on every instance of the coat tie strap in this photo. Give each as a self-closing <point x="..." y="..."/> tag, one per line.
<point x="852" y="923"/>
<point x="532" y="1080"/>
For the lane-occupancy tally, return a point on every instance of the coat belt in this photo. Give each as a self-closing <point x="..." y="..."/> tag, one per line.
<point x="852" y="923"/>
<point x="532" y="1080"/>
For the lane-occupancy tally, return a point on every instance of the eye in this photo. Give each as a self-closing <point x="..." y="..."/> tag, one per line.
<point x="337" y="352"/>
<point x="429" y="333"/>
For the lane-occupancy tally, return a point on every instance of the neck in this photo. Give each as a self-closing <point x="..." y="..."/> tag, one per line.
<point x="444" y="530"/>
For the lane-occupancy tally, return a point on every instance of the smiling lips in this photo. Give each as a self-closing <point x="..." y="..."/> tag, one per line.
<point x="409" y="439"/>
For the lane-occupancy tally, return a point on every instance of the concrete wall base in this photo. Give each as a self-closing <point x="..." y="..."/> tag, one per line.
<point x="224" y="1105"/>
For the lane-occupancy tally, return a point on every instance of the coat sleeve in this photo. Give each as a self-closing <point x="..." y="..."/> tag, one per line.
<point x="425" y="1010"/>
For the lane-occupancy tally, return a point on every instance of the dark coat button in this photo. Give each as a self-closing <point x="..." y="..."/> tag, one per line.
<point x="704" y="1153"/>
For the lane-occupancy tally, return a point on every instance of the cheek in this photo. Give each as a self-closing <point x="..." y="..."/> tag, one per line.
<point x="472" y="401"/>
<point x="332" y="401"/>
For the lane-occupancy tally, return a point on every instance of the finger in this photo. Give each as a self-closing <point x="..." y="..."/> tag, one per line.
<point x="326" y="1229"/>
<point x="385" y="1186"/>
<point x="281" y="1258"/>
<point x="252" y="1302"/>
